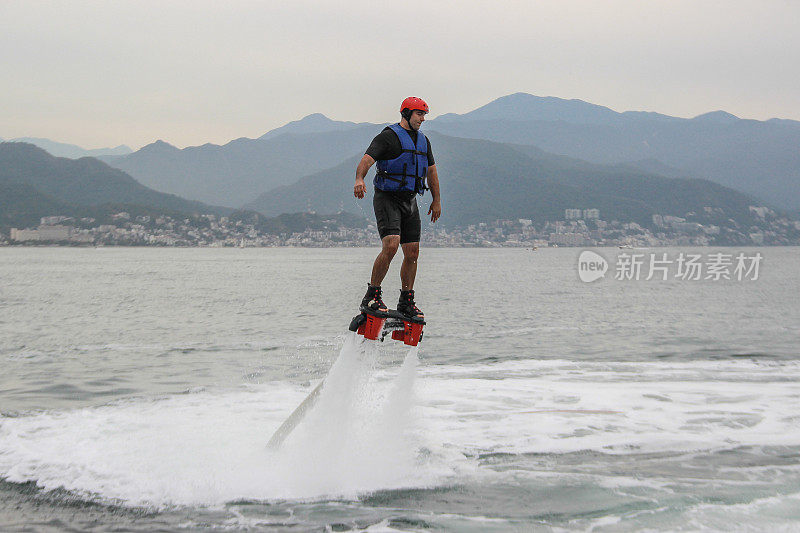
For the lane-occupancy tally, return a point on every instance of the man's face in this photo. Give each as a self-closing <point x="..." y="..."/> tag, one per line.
<point x="416" y="120"/>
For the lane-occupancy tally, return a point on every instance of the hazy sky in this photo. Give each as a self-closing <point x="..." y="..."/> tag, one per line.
<point x="109" y="72"/>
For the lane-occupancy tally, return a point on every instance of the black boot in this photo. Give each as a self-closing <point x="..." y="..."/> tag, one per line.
<point x="372" y="301"/>
<point x="407" y="306"/>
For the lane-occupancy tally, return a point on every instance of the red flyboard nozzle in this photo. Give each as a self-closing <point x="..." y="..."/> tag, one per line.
<point x="411" y="333"/>
<point x="373" y="327"/>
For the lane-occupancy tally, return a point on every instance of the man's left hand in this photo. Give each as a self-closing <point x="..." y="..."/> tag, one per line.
<point x="435" y="211"/>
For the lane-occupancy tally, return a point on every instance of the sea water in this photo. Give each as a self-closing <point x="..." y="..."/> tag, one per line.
<point x="139" y="387"/>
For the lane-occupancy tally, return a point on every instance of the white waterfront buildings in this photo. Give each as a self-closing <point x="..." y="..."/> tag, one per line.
<point x="54" y="233"/>
<point x="582" y="214"/>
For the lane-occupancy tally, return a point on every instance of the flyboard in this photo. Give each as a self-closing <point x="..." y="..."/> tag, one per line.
<point x="372" y="325"/>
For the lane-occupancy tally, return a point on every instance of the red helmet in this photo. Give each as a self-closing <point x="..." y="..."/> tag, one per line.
<point x="412" y="103"/>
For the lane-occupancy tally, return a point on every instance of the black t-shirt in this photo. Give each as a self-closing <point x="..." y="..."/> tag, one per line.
<point x="386" y="145"/>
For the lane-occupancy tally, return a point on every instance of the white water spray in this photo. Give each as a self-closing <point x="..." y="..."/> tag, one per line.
<point x="358" y="433"/>
<point x="208" y="448"/>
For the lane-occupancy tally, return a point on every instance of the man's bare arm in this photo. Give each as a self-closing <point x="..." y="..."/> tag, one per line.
<point x="361" y="172"/>
<point x="435" y="210"/>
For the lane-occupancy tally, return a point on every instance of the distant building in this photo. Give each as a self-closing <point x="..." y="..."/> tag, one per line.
<point x="22" y="235"/>
<point x="591" y="214"/>
<point x="54" y="233"/>
<point x="572" y="214"/>
<point x="567" y="239"/>
<point x="42" y="233"/>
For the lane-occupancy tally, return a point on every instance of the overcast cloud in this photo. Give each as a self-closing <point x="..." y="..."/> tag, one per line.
<point x="109" y="72"/>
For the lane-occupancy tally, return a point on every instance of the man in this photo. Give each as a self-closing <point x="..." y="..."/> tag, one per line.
<point x="405" y="162"/>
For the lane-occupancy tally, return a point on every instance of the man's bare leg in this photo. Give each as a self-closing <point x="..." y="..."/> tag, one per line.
<point x="384" y="259"/>
<point x="408" y="270"/>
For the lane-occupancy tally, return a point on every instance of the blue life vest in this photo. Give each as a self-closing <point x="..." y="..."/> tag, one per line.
<point x="406" y="172"/>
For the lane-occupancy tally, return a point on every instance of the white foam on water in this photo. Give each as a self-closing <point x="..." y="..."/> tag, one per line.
<point x="562" y="406"/>
<point x="415" y="426"/>
<point x="774" y="514"/>
<point x="210" y="448"/>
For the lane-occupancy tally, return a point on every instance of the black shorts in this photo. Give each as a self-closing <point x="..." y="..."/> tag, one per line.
<point x="397" y="214"/>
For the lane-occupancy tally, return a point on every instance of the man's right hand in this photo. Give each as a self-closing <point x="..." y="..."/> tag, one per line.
<point x="360" y="188"/>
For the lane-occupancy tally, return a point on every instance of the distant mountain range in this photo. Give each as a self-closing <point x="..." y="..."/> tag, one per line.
<point x="22" y="206"/>
<point x="485" y="181"/>
<point x="236" y="173"/>
<point x="314" y="123"/>
<point x="35" y="184"/>
<point x="518" y="156"/>
<point x="71" y="151"/>
<point x="758" y="157"/>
